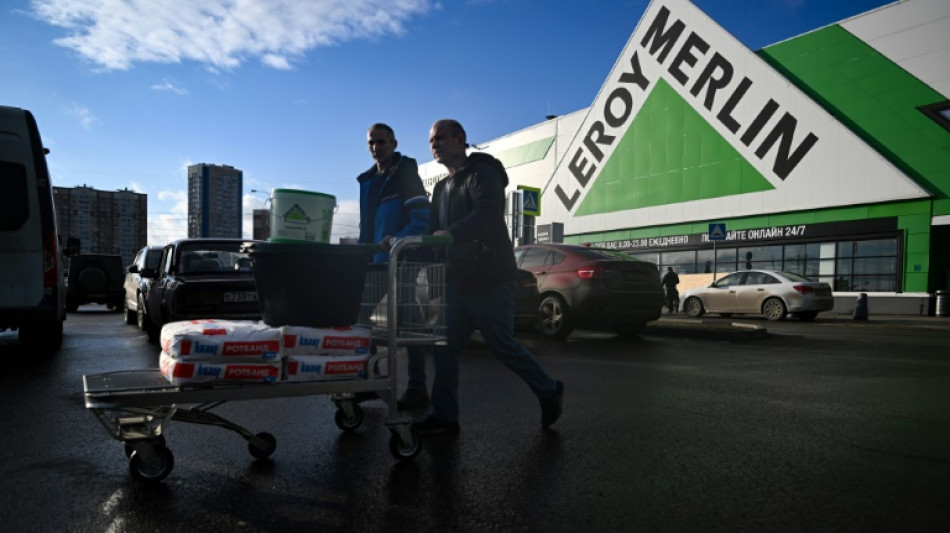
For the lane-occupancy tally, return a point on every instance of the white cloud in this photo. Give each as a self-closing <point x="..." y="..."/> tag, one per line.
<point x="166" y="85"/>
<point x="222" y="34"/>
<point x="82" y="113"/>
<point x="346" y="221"/>
<point x="171" y="223"/>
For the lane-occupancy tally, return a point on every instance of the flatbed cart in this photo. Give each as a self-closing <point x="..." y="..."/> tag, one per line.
<point x="401" y="304"/>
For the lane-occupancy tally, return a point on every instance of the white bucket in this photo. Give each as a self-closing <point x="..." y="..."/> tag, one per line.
<point x="301" y="216"/>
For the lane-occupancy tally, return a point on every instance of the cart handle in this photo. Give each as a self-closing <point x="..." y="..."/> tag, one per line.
<point x="418" y="240"/>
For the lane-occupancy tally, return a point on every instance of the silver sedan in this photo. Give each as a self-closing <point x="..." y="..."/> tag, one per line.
<point x="773" y="294"/>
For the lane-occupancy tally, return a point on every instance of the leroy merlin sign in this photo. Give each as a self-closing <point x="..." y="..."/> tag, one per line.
<point x="771" y="142"/>
<point x="711" y="79"/>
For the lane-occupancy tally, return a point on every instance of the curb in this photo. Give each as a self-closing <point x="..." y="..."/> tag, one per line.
<point x="693" y="329"/>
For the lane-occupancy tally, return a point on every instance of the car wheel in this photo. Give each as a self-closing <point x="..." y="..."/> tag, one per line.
<point x="131" y="317"/>
<point x="774" y="309"/>
<point x="555" y="322"/>
<point x="145" y="323"/>
<point x="807" y="315"/>
<point x="694" y="307"/>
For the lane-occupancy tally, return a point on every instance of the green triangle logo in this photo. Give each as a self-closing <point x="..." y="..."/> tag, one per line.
<point x="669" y="155"/>
<point x="296" y="214"/>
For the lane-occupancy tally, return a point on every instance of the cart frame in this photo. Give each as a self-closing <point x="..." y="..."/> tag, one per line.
<point x="134" y="406"/>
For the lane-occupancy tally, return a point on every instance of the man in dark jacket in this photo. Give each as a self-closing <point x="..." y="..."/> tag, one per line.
<point x="670" y="281"/>
<point x="394" y="204"/>
<point x="469" y="206"/>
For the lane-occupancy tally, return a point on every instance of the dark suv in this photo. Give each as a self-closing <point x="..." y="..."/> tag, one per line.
<point x="95" y="279"/>
<point x="591" y="288"/>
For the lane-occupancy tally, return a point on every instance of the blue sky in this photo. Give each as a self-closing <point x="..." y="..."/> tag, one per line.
<point x="128" y="93"/>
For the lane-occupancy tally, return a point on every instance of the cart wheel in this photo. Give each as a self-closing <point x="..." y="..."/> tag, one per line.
<point x="349" y="423"/>
<point x="404" y="451"/>
<point x="151" y="463"/>
<point x="130" y="447"/>
<point x="265" y="449"/>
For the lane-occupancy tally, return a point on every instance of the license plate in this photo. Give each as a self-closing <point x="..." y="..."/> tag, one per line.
<point x="237" y="297"/>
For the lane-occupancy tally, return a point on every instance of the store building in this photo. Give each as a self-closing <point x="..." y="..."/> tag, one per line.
<point x="827" y="154"/>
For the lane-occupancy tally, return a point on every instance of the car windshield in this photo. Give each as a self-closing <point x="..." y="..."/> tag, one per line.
<point x="152" y="257"/>
<point x="213" y="257"/>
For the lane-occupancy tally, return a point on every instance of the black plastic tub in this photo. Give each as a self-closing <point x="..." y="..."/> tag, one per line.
<point x="309" y="284"/>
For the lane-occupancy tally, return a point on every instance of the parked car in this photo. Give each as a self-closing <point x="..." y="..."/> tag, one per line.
<point x="32" y="286"/>
<point x="773" y="294"/>
<point x="591" y="288"/>
<point x="94" y="278"/>
<point x="201" y="278"/>
<point x="138" y="277"/>
<point x="527" y="301"/>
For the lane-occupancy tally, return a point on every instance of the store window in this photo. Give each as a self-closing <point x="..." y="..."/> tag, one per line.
<point x="683" y="262"/>
<point x="866" y="266"/>
<point x="760" y="257"/>
<point x="725" y="260"/>
<point x="704" y="261"/>
<point x="652" y="257"/>
<point x="870" y="265"/>
<point x="806" y="260"/>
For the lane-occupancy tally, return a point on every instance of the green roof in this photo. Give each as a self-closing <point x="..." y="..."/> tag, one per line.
<point x="873" y="96"/>
<point x="527" y="153"/>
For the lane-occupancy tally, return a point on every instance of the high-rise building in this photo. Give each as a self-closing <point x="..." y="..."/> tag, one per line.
<point x="106" y="222"/>
<point x="214" y="201"/>
<point x="261" y="228"/>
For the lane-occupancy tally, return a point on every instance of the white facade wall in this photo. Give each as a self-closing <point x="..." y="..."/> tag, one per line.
<point x="913" y="34"/>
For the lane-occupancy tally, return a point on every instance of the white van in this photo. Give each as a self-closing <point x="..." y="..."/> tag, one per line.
<point x="32" y="292"/>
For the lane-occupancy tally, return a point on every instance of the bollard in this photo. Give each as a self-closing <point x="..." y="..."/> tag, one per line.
<point x="942" y="303"/>
<point x="861" y="307"/>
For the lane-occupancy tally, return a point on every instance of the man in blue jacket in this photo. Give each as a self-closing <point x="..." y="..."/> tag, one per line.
<point x="394" y="204"/>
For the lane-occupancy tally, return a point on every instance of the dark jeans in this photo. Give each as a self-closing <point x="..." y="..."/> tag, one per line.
<point x="672" y="299"/>
<point x="491" y="311"/>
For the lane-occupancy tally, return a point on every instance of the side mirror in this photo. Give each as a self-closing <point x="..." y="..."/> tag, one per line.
<point x="133" y="269"/>
<point x="72" y="246"/>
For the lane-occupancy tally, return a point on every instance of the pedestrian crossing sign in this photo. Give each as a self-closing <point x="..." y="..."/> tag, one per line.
<point x="530" y="200"/>
<point x="717" y="232"/>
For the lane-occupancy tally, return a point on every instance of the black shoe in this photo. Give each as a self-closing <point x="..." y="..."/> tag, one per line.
<point x="551" y="406"/>
<point x="432" y="426"/>
<point x="413" y="399"/>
